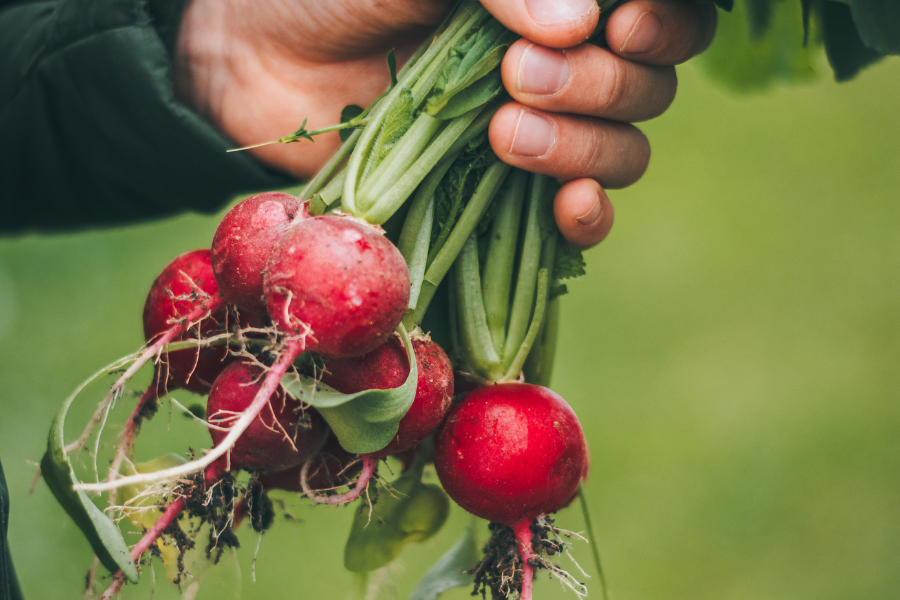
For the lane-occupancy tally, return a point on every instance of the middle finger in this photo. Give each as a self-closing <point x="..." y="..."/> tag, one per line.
<point x="587" y="80"/>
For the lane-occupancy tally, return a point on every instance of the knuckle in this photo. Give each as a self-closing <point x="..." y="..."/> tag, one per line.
<point x="591" y="152"/>
<point x="611" y="88"/>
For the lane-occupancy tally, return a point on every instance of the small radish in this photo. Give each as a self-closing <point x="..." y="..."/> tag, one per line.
<point x="510" y="453"/>
<point x="387" y="367"/>
<point x="243" y="241"/>
<point x="185" y="296"/>
<point x="284" y="433"/>
<point x="337" y="284"/>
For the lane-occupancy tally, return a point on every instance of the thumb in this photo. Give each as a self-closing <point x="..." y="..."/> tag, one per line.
<point x="551" y="23"/>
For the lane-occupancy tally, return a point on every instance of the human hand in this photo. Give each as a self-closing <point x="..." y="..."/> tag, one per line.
<point x="255" y="72"/>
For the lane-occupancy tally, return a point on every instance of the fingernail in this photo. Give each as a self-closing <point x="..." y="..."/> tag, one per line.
<point x="644" y="36"/>
<point x="591" y="216"/>
<point x="556" y="12"/>
<point x="534" y="135"/>
<point x="542" y="71"/>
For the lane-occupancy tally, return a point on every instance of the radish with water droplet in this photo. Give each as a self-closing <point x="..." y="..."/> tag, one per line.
<point x="243" y="242"/>
<point x="510" y="453"/>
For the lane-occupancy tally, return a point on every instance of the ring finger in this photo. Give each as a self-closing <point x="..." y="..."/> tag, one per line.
<point x="569" y="147"/>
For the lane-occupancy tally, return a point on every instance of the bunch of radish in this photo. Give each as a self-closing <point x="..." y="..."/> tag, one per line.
<point x="305" y="326"/>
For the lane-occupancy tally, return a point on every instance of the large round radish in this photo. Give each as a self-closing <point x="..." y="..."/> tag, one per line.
<point x="338" y="284"/>
<point x="284" y="433"/>
<point x="243" y="242"/>
<point x="387" y="367"/>
<point x="184" y="293"/>
<point x="510" y="452"/>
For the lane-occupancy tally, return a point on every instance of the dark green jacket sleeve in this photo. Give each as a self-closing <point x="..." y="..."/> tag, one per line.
<point x="9" y="585"/>
<point x="90" y="130"/>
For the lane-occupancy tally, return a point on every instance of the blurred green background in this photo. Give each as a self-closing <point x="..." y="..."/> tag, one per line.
<point x="733" y="353"/>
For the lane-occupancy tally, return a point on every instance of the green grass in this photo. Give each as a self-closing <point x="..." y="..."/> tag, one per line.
<point x="733" y="354"/>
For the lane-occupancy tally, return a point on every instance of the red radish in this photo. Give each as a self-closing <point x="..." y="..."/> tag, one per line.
<point x="387" y="367"/>
<point x="243" y="241"/>
<point x="331" y="468"/>
<point x="509" y="453"/>
<point x="276" y="438"/>
<point x="183" y="294"/>
<point x="337" y="284"/>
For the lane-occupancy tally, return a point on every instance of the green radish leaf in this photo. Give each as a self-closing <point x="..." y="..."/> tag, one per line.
<point x="399" y="119"/>
<point x="846" y="51"/>
<point x="366" y="421"/>
<point x="450" y="569"/>
<point x="392" y="66"/>
<point x="568" y="262"/>
<point x="481" y="92"/>
<point x="806" y="6"/>
<point x="413" y="512"/>
<point x="457" y="187"/>
<point x="9" y="585"/>
<point x="557" y="291"/>
<point x="746" y="62"/>
<point x="350" y="112"/>
<point x="878" y="24"/>
<point x="759" y="17"/>
<point x="103" y="535"/>
<point x="481" y="69"/>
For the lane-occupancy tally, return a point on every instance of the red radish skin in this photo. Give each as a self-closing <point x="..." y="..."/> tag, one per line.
<point x="337" y="284"/>
<point x="273" y="440"/>
<point x="510" y="452"/>
<point x="243" y="242"/>
<point x="184" y="293"/>
<point x="387" y="367"/>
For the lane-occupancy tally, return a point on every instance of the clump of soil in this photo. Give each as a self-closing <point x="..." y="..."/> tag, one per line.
<point x="500" y="571"/>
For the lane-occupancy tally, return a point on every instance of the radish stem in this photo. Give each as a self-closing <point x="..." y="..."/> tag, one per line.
<point x="365" y="476"/>
<point x="501" y="257"/>
<point x="515" y="366"/>
<point x="487" y="188"/>
<point x="523" y="300"/>
<point x="476" y="338"/>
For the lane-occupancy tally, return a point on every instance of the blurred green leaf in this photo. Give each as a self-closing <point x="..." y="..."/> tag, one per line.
<point x="366" y="421"/>
<point x="759" y="17"/>
<point x="450" y="569"/>
<point x="846" y="51"/>
<point x="745" y="60"/>
<point x="103" y="535"/>
<point x="878" y="24"/>
<point x="9" y="585"/>
<point x="410" y="512"/>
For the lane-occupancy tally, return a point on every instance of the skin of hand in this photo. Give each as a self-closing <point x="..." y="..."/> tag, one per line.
<point x="256" y="70"/>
